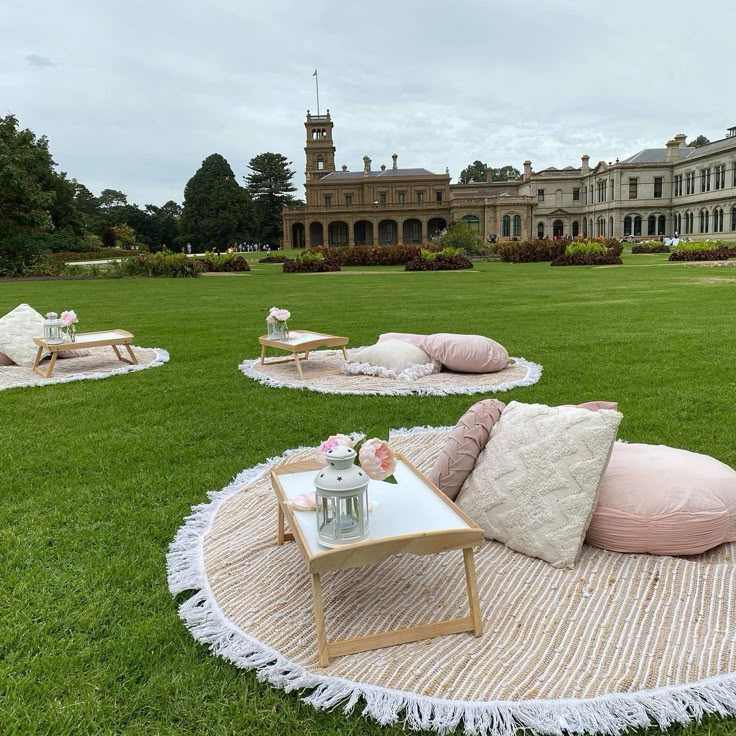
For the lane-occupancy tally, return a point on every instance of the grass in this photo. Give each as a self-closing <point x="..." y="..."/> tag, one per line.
<point x="97" y="476"/>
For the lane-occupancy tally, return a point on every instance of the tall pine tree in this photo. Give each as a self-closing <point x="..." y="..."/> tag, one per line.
<point x="269" y="184"/>
<point x="217" y="210"/>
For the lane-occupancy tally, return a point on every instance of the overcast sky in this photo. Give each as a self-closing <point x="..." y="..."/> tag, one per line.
<point x="133" y="95"/>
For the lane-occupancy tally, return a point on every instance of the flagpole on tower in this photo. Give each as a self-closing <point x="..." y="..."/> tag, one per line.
<point x="316" y="81"/>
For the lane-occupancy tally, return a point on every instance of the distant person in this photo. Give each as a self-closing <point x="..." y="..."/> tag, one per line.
<point x="189" y="248"/>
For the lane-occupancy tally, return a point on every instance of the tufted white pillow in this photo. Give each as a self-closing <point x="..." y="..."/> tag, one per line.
<point x="17" y="330"/>
<point x="391" y="359"/>
<point x="536" y="483"/>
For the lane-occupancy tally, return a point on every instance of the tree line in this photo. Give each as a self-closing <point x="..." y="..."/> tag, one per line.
<point x="42" y="206"/>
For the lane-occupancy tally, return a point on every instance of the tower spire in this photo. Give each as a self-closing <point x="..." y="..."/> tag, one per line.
<point x="316" y="82"/>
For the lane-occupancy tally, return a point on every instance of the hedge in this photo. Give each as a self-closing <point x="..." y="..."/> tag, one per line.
<point x="440" y="263"/>
<point x="655" y="248"/>
<point x="304" y="265"/>
<point x="529" y="251"/>
<point x="369" y="255"/>
<point x="721" y="253"/>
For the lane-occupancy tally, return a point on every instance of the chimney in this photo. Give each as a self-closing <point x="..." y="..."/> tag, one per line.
<point x="489" y="175"/>
<point x="681" y="138"/>
<point x="673" y="152"/>
<point x="394" y="158"/>
<point x="527" y="170"/>
<point x="584" y="168"/>
<point x="366" y="166"/>
<point x="344" y="168"/>
<point x="383" y="167"/>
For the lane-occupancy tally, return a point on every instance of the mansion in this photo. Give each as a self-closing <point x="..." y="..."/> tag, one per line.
<point x="656" y="192"/>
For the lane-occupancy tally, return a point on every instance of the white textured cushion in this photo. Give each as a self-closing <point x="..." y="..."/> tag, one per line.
<point x="17" y="330"/>
<point x="391" y="359"/>
<point x="535" y="484"/>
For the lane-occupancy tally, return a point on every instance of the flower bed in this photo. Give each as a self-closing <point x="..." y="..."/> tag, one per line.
<point x="160" y="265"/>
<point x="273" y="259"/>
<point x="590" y="253"/>
<point x="310" y="262"/>
<point x="650" y="248"/>
<point x="529" y="251"/>
<point x="702" y="252"/>
<point x="369" y="255"/>
<point x="225" y="263"/>
<point x="439" y="262"/>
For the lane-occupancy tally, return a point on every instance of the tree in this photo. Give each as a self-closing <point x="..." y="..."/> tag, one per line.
<point x="217" y="211"/>
<point x="477" y="171"/>
<point x="26" y="173"/>
<point x="270" y="187"/>
<point x="701" y="140"/>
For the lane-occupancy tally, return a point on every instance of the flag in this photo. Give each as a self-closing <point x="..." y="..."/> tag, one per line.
<point x="315" y="73"/>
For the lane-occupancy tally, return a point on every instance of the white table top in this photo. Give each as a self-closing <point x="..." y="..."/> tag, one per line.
<point x="300" y="336"/>
<point x="409" y="507"/>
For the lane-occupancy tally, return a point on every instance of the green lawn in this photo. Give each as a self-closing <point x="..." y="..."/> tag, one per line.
<point x="98" y="475"/>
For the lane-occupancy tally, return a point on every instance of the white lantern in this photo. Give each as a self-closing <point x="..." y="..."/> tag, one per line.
<point x="342" y="499"/>
<point x="52" y="329"/>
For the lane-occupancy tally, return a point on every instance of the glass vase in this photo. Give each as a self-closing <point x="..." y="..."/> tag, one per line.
<point x="278" y="330"/>
<point x="70" y="333"/>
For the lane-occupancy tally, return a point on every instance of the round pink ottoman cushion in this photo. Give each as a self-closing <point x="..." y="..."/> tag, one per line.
<point x="466" y="441"/>
<point x="663" y="501"/>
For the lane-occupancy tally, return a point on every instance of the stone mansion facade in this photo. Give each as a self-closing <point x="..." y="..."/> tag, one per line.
<point x="656" y="192"/>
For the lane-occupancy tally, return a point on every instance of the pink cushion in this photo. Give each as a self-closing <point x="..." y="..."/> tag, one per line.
<point x="466" y="441"/>
<point x="466" y="353"/>
<point x="4" y="360"/>
<point x="417" y="340"/>
<point x="74" y="353"/>
<point x="598" y="405"/>
<point x="664" y="501"/>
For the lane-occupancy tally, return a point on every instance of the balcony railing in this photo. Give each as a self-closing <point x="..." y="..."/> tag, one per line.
<point x="375" y="206"/>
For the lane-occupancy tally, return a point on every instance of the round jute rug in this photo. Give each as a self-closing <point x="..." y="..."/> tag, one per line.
<point x="100" y="363"/>
<point x="323" y="373"/>
<point x="620" y="641"/>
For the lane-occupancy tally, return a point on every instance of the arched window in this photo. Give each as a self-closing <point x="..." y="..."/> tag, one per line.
<point x="637" y="225"/>
<point x="473" y="222"/>
<point x="704" y="221"/>
<point x="506" y="226"/>
<point x="320" y="163"/>
<point x="314" y="134"/>
<point x="661" y="224"/>
<point x="540" y="229"/>
<point x="733" y="219"/>
<point x="517" y="226"/>
<point x="558" y="229"/>
<point x="575" y="228"/>
<point x="651" y="225"/>
<point x="590" y="223"/>
<point x="610" y="225"/>
<point x="627" y="225"/>
<point x="717" y="220"/>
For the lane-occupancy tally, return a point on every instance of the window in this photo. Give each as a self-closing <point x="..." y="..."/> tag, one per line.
<point x="540" y="229"/>
<point x="438" y="196"/>
<point x="585" y="227"/>
<point x="661" y="224"/>
<point x="402" y="197"/>
<point x="702" y="180"/>
<point x="707" y="180"/>
<point x="689" y="222"/>
<point x="473" y="222"/>
<point x="678" y="178"/>
<point x="506" y="226"/>
<point x="320" y="163"/>
<point x="721" y="176"/>
<point x="575" y="228"/>
<point x="328" y="200"/>
<point x="610" y="227"/>
<point x="348" y="199"/>
<point x="627" y="225"/>
<point x="651" y="225"/>
<point x="657" y="187"/>
<point x="382" y="198"/>
<point x="718" y="178"/>
<point x="733" y="219"/>
<point x="718" y="220"/>
<point x="540" y="195"/>
<point x="637" y="225"/>
<point x="633" y="188"/>
<point x="420" y="197"/>
<point x="576" y="194"/>
<point x="585" y="195"/>
<point x="517" y="226"/>
<point x="704" y="216"/>
<point x="733" y="180"/>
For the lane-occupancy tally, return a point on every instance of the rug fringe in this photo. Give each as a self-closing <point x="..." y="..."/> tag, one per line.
<point x="161" y="357"/>
<point x="533" y="374"/>
<point x="610" y="714"/>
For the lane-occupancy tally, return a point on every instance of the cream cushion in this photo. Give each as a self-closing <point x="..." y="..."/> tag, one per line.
<point x="664" y="501"/>
<point x="17" y="330"/>
<point x="535" y="484"/>
<point x="394" y="356"/>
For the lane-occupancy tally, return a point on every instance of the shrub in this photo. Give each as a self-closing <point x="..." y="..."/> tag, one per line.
<point x="368" y="255"/>
<point x="528" y="251"/>
<point x="650" y="248"/>
<point x="164" y="265"/>
<point x="585" y="247"/>
<point x="461" y="237"/>
<point x="223" y="263"/>
<point x="273" y="259"/>
<point x="310" y="262"/>
<point x="94" y="255"/>
<point x="709" y="250"/>
<point x="606" y="258"/>
<point x="438" y="261"/>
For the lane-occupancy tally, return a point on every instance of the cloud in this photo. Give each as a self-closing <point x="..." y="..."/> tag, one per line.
<point x="39" y="61"/>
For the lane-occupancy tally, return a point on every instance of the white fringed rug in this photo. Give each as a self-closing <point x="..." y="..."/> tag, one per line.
<point x="284" y="375"/>
<point x="101" y="363"/>
<point x="621" y="641"/>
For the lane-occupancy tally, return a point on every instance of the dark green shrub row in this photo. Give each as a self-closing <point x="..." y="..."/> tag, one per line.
<point x="95" y="255"/>
<point x="607" y="258"/>
<point x="722" y="253"/>
<point x="369" y="255"/>
<point x="224" y="263"/>
<point x="529" y="251"/>
<point x="650" y="248"/>
<point x="309" y="265"/>
<point x="440" y="263"/>
<point x="273" y="259"/>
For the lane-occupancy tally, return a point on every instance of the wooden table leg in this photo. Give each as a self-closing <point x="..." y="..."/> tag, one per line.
<point x="306" y="355"/>
<point x="117" y="352"/>
<point x="344" y="354"/>
<point x="52" y="363"/>
<point x="279" y="524"/>
<point x="263" y="354"/>
<point x="133" y="359"/>
<point x="472" y="584"/>
<point x="37" y="361"/>
<point x="319" y="621"/>
<point x="298" y="365"/>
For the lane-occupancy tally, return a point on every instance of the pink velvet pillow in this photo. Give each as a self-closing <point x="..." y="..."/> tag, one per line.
<point x="663" y="501"/>
<point x="4" y="360"/>
<point x="598" y="405"/>
<point x="466" y="441"/>
<point x="466" y="353"/>
<point x="417" y="340"/>
<point x="74" y="353"/>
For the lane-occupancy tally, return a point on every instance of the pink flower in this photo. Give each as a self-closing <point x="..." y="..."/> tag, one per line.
<point x="304" y="502"/>
<point x="68" y="318"/>
<point x="280" y="315"/>
<point x="377" y="459"/>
